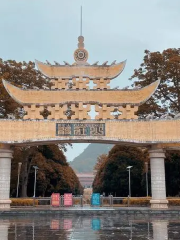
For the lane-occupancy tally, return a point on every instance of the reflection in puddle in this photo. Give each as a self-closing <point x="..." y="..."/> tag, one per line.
<point x="160" y="230"/>
<point x="55" y="225"/>
<point x="4" y="226"/>
<point x="95" y="228"/>
<point x="96" y="224"/>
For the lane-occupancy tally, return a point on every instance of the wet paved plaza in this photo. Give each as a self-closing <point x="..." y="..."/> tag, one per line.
<point x="86" y="227"/>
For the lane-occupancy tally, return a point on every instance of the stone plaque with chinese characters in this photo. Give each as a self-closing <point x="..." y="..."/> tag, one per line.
<point x="80" y="129"/>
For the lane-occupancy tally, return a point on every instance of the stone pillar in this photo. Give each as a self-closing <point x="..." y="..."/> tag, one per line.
<point x="160" y="230"/>
<point x="5" y="173"/>
<point x="158" y="185"/>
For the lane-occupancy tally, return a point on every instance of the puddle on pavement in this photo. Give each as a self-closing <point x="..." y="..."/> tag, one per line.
<point x="87" y="228"/>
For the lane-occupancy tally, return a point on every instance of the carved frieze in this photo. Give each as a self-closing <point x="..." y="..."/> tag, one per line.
<point x="128" y="112"/>
<point x="80" y="83"/>
<point x="101" y="83"/>
<point x="57" y="112"/>
<point x="59" y="83"/>
<point x="80" y="111"/>
<point x="104" y="112"/>
<point x="33" y="112"/>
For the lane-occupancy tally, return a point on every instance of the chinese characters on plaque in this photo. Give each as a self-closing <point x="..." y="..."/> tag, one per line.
<point x="80" y="129"/>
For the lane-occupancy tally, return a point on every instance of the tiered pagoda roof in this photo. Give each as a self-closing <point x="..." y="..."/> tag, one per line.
<point x="90" y="71"/>
<point x="49" y="97"/>
<point x="70" y="96"/>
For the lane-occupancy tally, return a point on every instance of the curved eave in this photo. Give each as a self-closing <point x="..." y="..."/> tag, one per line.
<point x="110" y="97"/>
<point x="93" y="72"/>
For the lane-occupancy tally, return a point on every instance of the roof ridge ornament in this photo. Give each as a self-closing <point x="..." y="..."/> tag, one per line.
<point x="81" y="42"/>
<point x="81" y="54"/>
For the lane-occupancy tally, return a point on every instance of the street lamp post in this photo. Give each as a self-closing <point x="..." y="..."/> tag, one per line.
<point x="129" y="169"/>
<point x="19" y="170"/>
<point x="35" y="168"/>
<point x="146" y="164"/>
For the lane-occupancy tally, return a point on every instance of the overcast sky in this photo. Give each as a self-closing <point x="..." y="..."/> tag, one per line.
<point x="113" y="30"/>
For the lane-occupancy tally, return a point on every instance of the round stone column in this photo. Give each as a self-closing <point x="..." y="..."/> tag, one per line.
<point x="5" y="173"/>
<point x="158" y="185"/>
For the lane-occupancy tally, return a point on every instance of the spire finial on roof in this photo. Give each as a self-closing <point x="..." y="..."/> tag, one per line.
<point x="81" y="38"/>
<point x="81" y="42"/>
<point x="80" y="54"/>
<point x="81" y="23"/>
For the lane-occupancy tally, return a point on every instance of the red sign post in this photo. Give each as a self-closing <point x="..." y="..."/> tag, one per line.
<point x="55" y="200"/>
<point x="68" y="201"/>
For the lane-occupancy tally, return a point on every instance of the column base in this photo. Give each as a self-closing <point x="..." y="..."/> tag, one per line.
<point x="5" y="204"/>
<point x="159" y="204"/>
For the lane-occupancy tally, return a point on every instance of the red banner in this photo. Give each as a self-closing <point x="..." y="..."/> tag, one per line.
<point x="68" y="201"/>
<point x="55" y="200"/>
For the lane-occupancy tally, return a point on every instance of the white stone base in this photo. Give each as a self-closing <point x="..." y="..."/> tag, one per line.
<point x="157" y="204"/>
<point x="5" y="204"/>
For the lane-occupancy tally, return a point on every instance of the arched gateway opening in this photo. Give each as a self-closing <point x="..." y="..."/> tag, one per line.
<point x="69" y="103"/>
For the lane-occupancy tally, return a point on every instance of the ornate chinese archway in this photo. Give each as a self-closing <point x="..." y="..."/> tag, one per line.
<point x="69" y="103"/>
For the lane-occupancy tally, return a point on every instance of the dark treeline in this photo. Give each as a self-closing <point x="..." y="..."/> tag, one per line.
<point x="113" y="178"/>
<point x="54" y="174"/>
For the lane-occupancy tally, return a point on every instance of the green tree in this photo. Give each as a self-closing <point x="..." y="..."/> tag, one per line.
<point x="54" y="174"/>
<point x="100" y="160"/>
<point x="172" y="170"/>
<point x="112" y="177"/>
<point x="164" y="66"/>
<point x="99" y="167"/>
<point x="23" y="75"/>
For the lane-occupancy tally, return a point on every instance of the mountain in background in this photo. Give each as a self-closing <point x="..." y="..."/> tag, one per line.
<point x="86" y="161"/>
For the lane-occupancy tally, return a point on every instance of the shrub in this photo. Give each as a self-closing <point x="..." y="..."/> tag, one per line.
<point x="144" y="201"/>
<point x="174" y="201"/>
<point x="23" y="202"/>
<point x="76" y="201"/>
